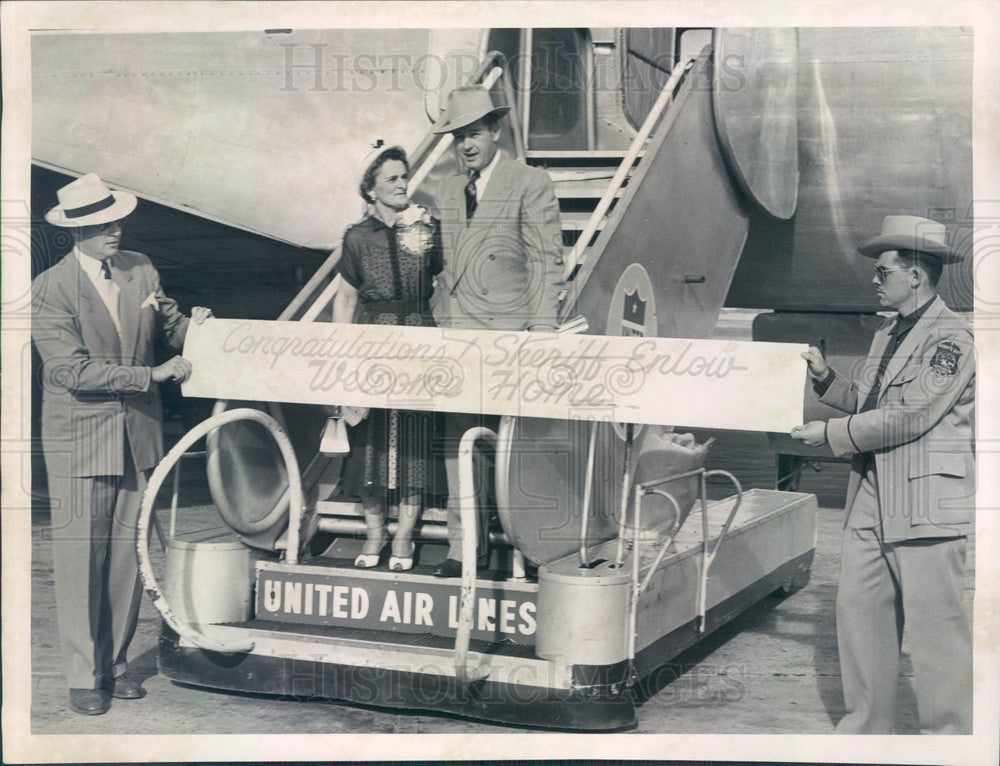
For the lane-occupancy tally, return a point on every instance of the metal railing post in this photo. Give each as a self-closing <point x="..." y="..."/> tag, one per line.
<point x="707" y="555"/>
<point x="626" y="481"/>
<point x="588" y="481"/>
<point x="469" y="519"/>
<point x="184" y="629"/>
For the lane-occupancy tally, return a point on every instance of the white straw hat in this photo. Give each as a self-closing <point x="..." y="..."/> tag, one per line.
<point x="88" y="202"/>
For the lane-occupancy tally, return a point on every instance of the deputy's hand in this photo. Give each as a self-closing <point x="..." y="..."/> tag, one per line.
<point x="178" y="369"/>
<point x="199" y="314"/>
<point x="817" y="364"/>
<point x="812" y="433"/>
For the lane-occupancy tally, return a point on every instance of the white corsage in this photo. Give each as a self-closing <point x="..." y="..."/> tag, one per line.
<point x="353" y="415"/>
<point x="415" y="230"/>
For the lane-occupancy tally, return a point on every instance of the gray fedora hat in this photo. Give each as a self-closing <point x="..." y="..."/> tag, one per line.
<point x="465" y="106"/>
<point x="909" y="232"/>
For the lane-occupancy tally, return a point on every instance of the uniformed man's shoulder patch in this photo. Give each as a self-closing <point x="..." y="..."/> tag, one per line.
<point x="945" y="359"/>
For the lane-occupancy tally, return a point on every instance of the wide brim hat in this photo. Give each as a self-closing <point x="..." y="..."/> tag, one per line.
<point x="910" y="232"/>
<point x="465" y="106"/>
<point x="88" y="202"/>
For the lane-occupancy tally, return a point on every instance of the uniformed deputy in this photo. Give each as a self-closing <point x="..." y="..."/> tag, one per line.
<point x="911" y="496"/>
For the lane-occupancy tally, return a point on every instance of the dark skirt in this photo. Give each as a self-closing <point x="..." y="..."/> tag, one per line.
<point x="394" y="453"/>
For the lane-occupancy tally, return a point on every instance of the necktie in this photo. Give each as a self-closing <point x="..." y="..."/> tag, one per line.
<point x="109" y="294"/>
<point x="470" y="195"/>
<point x="895" y="341"/>
<point x="872" y="399"/>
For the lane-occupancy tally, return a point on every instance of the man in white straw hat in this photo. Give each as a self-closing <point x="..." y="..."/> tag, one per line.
<point x="95" y="315"/>
<point x="911" y="496"/>
<point x="502" y="254"/>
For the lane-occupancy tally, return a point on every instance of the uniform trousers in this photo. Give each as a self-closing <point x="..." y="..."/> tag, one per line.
<point x="455" y="426"/>
<point x="96" y="571"/>
<point x="884" y="587"/>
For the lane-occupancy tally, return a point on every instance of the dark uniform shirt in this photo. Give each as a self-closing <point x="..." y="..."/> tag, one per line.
<point x="896" y="335"/>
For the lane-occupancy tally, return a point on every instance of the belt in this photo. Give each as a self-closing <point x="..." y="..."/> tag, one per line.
<point x="397" y="307"/>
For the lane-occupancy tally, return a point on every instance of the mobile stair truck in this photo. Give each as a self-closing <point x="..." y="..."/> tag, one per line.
<point x="607" y="556"/>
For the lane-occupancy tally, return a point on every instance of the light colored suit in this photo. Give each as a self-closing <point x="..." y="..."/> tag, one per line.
<point x="101" y="436"/>
<point x="502" y="270"/>
<point x="921" y="430"/>
<point x="903" y="554"/>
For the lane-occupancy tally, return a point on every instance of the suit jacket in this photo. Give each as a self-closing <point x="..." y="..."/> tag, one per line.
<point x="921" y="430"/>
<point x="503" y="269"/>
<point x="95" y="388"/>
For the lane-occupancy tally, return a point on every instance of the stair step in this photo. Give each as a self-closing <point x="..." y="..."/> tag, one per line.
<point x="569" y="175"/>
<point x="354" y="508"/>
<point x="576" y="220"/>
<point x="571" y="190"/>
<point x="332" y="564"/>
<point x="578" y="157"/>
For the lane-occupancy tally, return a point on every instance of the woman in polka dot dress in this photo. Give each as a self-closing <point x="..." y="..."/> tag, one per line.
<point x="387" y="268"/>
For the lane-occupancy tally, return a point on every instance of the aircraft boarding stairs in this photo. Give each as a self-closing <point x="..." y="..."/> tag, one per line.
<point x="589" y="186"/>
<point x="555" y="618"/>
<point x="581" y="178"/>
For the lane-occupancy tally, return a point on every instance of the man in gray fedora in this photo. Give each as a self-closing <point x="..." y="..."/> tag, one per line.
<point x="911" y="497"/>
<point x="502" y="254"/>
<point x="95" y="316"/>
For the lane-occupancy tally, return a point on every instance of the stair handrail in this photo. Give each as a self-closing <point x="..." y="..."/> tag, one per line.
<point x="708" y="551"/>
<point x="469" y="521"/>
<point x="588" y="483"/>
<point x="618" y="180"/>
<point x="146" y="573"/>
<point x="310" y="286"/>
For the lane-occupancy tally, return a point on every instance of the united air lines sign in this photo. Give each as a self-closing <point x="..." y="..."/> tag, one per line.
<point x="305" y="596"/>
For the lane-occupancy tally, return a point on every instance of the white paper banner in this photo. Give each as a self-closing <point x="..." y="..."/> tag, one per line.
<point x="681" y="382"/>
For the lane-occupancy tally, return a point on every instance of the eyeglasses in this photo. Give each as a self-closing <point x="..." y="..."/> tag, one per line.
<point x="881" y="272"/>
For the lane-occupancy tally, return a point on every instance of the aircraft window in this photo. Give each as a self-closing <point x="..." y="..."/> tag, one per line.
<point x="692" y="41"/>
<point x="648" y="57"/>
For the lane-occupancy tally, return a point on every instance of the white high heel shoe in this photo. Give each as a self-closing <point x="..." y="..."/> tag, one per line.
<point x="368" y="560"/>
<point x="401" y="563"/>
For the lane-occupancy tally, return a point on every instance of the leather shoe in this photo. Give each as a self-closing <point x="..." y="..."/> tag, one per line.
<point x="89" y="701"/>
<point x="452" y="568"/>
<point x="125" y="688"/>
